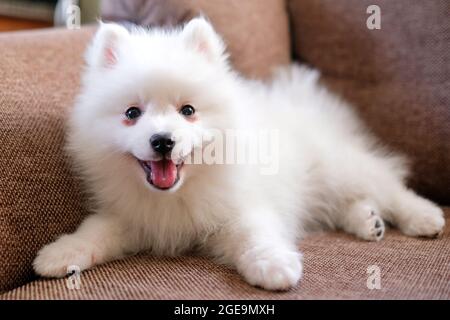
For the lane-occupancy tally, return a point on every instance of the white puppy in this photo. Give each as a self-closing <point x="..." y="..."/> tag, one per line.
<point x="141" y="89"/>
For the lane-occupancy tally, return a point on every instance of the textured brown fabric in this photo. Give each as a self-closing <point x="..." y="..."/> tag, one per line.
<point x="39" y="199"/>
<point x="256" y="32"/>
<point x="398" y="77"/>
<point x="335" y="268"/>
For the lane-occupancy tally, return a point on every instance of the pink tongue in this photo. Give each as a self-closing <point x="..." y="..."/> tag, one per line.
<point x="164" y="173"/>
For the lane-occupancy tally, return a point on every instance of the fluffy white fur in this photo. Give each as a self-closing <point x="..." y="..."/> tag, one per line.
<point x="331" y="173"/>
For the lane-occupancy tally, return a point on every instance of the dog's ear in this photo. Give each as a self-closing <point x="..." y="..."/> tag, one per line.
<point x="199" y="35"/>
<point x="104" y="49"/>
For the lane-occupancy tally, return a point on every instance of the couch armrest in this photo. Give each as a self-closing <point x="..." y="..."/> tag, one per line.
<point x="39" y="199"/>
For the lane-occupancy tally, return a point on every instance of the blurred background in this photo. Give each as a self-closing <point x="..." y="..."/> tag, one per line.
<point x="32" y="14"/>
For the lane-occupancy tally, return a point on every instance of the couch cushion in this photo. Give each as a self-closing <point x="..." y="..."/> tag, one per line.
<point x="39" y="199"/>
<point x="398" y="77"/>
<point x="336" y="267"/>
<point x="255" y="31"/>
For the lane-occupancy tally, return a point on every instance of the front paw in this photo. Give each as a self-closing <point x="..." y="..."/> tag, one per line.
<point x="271" y="269"/>
<point x="54" y="259"/>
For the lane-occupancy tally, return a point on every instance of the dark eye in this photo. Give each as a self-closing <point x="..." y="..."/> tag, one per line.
<point x="187" y="110"/>
<point x="133" y="113"/>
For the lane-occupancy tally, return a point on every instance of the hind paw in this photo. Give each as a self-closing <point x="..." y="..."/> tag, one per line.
<point x="364" y="221"/>
<point x="425" y="220"/>
<point x="373" y="229"/>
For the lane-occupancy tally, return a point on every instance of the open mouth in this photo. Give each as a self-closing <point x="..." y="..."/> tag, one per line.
<point x="162" y="174"/>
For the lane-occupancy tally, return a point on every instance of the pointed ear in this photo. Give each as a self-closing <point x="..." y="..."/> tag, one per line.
<point x="199" y="35"/>
<point x="104" y="49"/>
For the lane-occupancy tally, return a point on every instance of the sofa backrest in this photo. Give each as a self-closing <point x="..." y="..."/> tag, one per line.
<point x="397" y="77"/>
<point x="256" y="31"/>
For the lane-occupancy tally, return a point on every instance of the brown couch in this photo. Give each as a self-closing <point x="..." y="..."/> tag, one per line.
<point x="398" y="79"/>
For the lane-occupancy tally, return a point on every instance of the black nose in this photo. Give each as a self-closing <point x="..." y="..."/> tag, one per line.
<point x="162" y="143"/>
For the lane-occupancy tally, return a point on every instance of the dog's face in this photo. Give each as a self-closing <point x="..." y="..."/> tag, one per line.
<point x="152" y="97"/>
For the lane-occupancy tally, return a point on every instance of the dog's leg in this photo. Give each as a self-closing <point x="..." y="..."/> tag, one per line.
<point x="99" y="238"/>
<point x="412" y="214"/>
<point x="259" y="246"/>
<point x="373" y="187"/>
